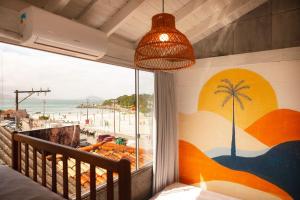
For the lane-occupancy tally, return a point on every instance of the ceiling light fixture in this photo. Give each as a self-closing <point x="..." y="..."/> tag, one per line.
<point x="164" y="48"/>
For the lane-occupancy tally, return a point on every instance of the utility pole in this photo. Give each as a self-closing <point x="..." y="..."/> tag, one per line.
<point x="17" y="100"/>
<point x="114" y="117"/>
<point x="87" y="112"/>
<point x="102" y="117"/>
<point x="119" y="121"/>
<point x="29" y="94"/>
<point x="114" y="101"/>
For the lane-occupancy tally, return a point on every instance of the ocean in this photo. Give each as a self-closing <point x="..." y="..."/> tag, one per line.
<point x="37" y="105"/>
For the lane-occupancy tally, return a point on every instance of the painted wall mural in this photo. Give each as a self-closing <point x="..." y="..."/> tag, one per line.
<point x="240" y="141"/>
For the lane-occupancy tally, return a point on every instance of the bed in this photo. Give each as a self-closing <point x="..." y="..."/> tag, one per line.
<point x="179" y="191"/>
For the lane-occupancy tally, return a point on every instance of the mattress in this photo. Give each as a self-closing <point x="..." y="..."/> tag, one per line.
<point x="179" y="191"/>
<point x="15" y="186"/>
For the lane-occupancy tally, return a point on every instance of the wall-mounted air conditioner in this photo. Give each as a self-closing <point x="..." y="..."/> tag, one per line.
<point x="44" y="30"/>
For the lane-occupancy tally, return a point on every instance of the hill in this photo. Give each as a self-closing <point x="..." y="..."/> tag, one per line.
<point x="128" y="101"/>
<point x="94" y="99"/>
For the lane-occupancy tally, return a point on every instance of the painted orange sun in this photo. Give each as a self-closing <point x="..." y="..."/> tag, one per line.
<point x="255" y="98"/>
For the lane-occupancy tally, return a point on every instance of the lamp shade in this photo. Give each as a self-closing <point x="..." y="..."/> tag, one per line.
<point x="164" y="48"/>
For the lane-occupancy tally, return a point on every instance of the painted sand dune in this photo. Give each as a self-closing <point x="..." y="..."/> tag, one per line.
<point x="215" y="130"/>
<point x="198" y="167"/>
<point x="276" y="127"/>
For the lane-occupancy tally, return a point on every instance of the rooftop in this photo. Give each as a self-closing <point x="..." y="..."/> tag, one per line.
<point x="109" y="150"/>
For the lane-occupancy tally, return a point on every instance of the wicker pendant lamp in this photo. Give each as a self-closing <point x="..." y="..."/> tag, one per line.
<point x="164" y="48"/>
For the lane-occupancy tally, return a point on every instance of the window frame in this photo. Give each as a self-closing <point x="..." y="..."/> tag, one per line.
<point x="137" y="107"/>
<point x="137" y="122"/>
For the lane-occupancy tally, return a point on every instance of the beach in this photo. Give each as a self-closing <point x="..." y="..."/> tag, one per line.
<point x="118" y="122"/>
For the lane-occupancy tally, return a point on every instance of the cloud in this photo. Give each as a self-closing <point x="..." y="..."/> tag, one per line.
<point x="67" y="77"/>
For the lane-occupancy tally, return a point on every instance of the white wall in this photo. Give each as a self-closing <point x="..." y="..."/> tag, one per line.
<point x="267" y="63"/>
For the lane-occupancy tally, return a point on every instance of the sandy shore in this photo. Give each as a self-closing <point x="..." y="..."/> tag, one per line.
<point x="105" y="121"/>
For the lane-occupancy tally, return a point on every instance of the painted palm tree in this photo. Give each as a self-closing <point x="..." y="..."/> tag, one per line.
<point x="233" y="92"/>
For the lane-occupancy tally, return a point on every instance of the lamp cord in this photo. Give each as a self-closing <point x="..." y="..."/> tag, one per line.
<point x="163" y="6"/>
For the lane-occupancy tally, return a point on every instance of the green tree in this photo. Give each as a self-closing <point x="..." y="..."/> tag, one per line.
<point x="233" y="92"/>
<point x="145" y="103"/>
<point x="128" y="101"/>
<point x="107" y="102"/>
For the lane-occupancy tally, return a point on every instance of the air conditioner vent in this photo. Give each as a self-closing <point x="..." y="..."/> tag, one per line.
<point x="50" y="32"/>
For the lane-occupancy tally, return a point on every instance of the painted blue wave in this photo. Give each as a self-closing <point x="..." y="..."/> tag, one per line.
<point x="280" y="166"/>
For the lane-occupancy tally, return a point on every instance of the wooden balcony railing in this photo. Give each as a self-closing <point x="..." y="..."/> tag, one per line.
<point x="122" y="167"/>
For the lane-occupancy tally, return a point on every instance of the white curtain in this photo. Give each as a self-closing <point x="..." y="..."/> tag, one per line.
<point x="165" y="167"/>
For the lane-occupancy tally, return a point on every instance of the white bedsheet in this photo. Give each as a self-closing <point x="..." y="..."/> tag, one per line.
<point x="15" y="186"/>
<point x="179" y="191"/>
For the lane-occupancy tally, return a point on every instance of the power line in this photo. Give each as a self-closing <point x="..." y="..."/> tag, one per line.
<point x="29" y="94"/>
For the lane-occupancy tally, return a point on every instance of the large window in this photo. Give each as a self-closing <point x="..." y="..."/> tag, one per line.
<point x="112" y="105"/>
<point x="145" y="114"/>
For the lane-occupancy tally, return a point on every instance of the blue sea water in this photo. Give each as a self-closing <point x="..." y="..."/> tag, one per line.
<point x="37" y="105"/>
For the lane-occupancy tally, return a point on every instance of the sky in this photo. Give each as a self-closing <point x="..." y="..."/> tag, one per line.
<point x="67" y="77"/>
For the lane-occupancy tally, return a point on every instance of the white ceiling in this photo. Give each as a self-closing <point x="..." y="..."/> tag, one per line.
<point x="126" y="21"/>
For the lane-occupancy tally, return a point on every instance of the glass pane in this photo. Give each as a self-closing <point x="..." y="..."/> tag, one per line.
<point x="96" y="100"/>
<point x="146" y="114"/>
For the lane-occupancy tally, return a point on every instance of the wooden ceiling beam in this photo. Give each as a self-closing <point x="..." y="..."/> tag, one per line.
<point x="111" y="25"/>
<point x="222" y="18"/>
<point x="56" y="6"/>
<point x="9" y="25"/>
<point x="189" y="8"/>
<point x="200" y="6"/>
<point x="9" y="19"/>
<point x="205" y="7"/>
<point x="86" y="9"/>
<point x="17" y="5"/>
